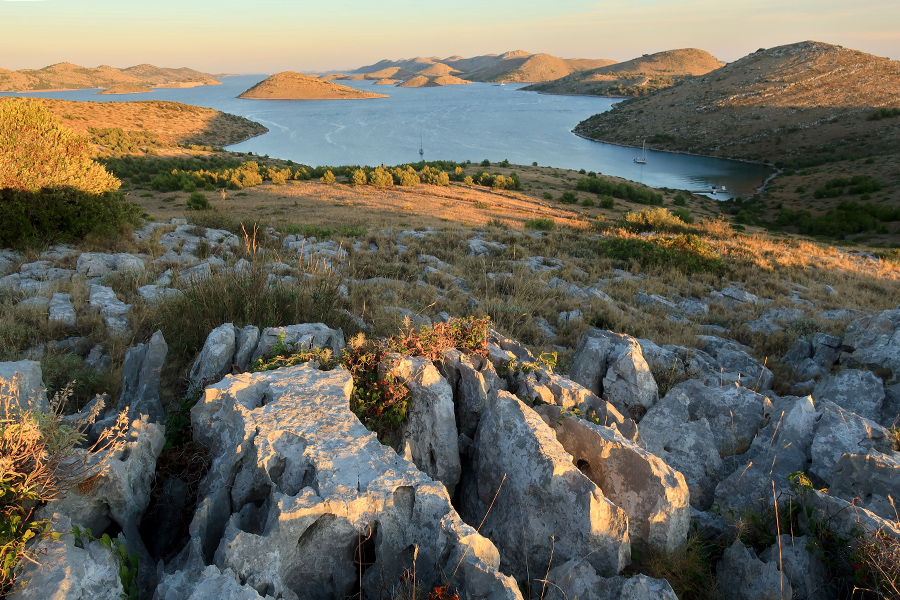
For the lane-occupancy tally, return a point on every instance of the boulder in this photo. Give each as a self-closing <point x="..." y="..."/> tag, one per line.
<point x="781" y="449"/>
<point x="875" y="343"/>
<point x="855" y="391"/>
<point x="869" y="480"/>
<point x="612" y="366"/>
<point x="578" y="579"/>
<point x="543" y="506"/>
<point x="22" y="383"/>
<point x="66" y="571"/>
<point x="843" y="518"/>
<point x="301" y="499"/>
<point x="653" y="495"/>
<point x="474" y="381"/>
<point x="98" y="264"/>
<point x="212" y="584"/>
<point x="141" y="372"/>
<point x="112" y="309"/>
<point x="842" y="432"/>
<point x="61" y="309"/>
<point x="807" y="574"/>
<point x="119" y="491"/>
<point x="246" y="341"/>
<point x="216" y="358"/>
<point x="429" y="436"/>
<point x="305" y="335"/>
<point x="742" y="576"/>
<point x="890" y="410"/>
<point x="736" y="364"/>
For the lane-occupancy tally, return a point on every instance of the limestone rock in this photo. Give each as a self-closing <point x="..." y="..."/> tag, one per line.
<point x="22" y="382"/>
<point x="855" y="391"/>
<point x="140" y="379"/>
<point x="98" y="264"/>
<point x="246" y="341"/>
<point x="61" y="309"/>
<point x="297" y="484"/>
<point x="868" y="480"/>
<point x="890" y="410"/>
<point x="842" y="517"/>
<point x="114" y="311"/>
<point x="742" y="576"/>
<point x="737" y="364"/>
<point x="544" y="505"/>
<point x="66" y="572"/>
<point x="305" y="335"/>
<point x="841" y="432"/>
<point x="578" y="579"/>
<point x="612" y="366"/>
<point x="654" y="496"/>
<point x="215" y="360"/>
<point x="212" y="584"/>
<point x="875" y="340"/>
<point x="429" y="435"/>
<point x="474" y="381"/>
<point x="807" y="574"/>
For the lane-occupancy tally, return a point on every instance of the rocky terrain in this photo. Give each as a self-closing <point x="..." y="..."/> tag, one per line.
<point x="423" y="81"/>
<point x="514" y="66"/>
<point x="798" y="101"/>
<point x="506" y="474"/>
<point x="66" y="76"/>
<point x="636" y="77"/>
<point x="289" y="85"/>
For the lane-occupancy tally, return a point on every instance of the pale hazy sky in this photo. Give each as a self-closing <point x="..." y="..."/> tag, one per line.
<point x="266" y="36"/>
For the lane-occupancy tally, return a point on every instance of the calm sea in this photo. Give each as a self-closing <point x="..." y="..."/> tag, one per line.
<point x="460" y="122"/>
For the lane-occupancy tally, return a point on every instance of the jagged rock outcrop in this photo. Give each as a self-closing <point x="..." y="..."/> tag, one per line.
<point x="304" y="335"/>
<point x="215" y="360"/>
<point x="612" y="366"/>
<point x="67" y="571"/>
<point x="521" y="469"/>
<point x="742" y="576"/>
<point x="578" y="579"/>
<point x="807" y="574"/>
<point x="856" y="391"/>
<point x="140" y="379"/>
<point x="875" y="340"/>
<point x="842" y="432"/>
<point x="291" y="462"/>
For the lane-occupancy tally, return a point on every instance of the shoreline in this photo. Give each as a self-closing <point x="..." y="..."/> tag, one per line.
<point x="758" y="190"/>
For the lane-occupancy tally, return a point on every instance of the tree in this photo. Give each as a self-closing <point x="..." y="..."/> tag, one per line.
<point x="37" y="152"/>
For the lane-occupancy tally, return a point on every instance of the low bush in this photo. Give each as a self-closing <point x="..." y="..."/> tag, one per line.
<point x="198" y="201"/>
<point x="541" y="224"/>
<point x="686" y="253"/>
<point x="622" y="190"/>
<point x="654" y="219"/>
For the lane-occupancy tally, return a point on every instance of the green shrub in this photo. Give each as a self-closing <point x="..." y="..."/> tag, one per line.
<point x="405" y="176"/>
<point x="587" y="202"/>
<point x="541" y="224"/>
<point x="198" y="201"/>
<point x="653" y="219"/>
<point x="380" y="177"/>
<point x="38" y="152"/>
<point x="684" y="214"/>
<point x="485" y="163"/>
<point x="679" y="200"/>
<point x="607" y="202"/>
<point x="687" y="253"/>
<point x="548" y="196"/>
<point x="883" y="113"/>
<point x="621" y="190"/>
<point x="358" y="177"/>
<point x="568" y="197"/>
<point x="61" y="214"/>
<point x="433" y="176"/>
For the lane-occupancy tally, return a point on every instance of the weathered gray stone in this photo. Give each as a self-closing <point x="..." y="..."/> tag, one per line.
<point x="140" y="379"/>
<point x="841" y="432"/>
<point x="245" y="343"/>
<point x="37" y="303"/>
<point x="61" y="309"/>
<point x="156" y="292"/>
<point x="305" y="335"/>
<point x="612" y="366"/>
<point x="474" y="381"/>
<point x="430" y="438"/>
<point x="737" y="364"/>
<point x="297" y="484"/>
<point x="114" y="311"/>
<point x="843" y="518"/>
<point x="216" y="358"/>
<point x="742" y="576"/>
<point x="120" y="492"/>
<point x="875" y="340"/>
<point x="519" y="462"/>
<point x="98" y="264"/>
<point x="479" y="247"/>
<point x="212" y="584"/>
<point x="781" y="449"/>
<point x="64" y="571"/>
<point x="890" y="410"/>
<point x="869" y="480"/>
<point x="22" y="383"/>
<point x="578" y="579"/>
<point x="855" y="391"/>
<point x="807" y="574"/>
<point x="654" y="496"/>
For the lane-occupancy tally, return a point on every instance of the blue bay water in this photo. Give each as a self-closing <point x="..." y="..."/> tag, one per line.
<point x="461" y="122"/>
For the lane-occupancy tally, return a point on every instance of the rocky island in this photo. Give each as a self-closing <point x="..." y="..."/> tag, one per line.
<point x="289" y="85"/>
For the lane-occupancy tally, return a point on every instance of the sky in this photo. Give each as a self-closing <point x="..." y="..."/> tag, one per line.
<point x="268" y="36"/>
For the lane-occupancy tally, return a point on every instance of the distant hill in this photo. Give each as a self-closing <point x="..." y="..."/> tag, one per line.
<point x="804" y="101"/>
<point x="125" y="89"/>
<point x="514" y="66"/>
<point x="423" y="81"/>
<point x="66" y="76"/>
<point x="289" y="85"/>
<point x="635" y="77"/>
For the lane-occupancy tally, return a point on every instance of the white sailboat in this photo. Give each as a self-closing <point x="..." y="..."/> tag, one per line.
<point x="642" y="159"/>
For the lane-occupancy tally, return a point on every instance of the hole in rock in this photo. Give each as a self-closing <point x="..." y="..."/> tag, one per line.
<point x="252" y="517"/>
<point x="585" y="467"/>
<point x="364" y="555"/>
<point x="324" y="565"/>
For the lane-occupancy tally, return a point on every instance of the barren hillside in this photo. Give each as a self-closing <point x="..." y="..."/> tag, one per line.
<point x="635" y="77"/>
<point x="796" y="101"/>
<point x="68" y="76"/>
<point x="289" y="85"/>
